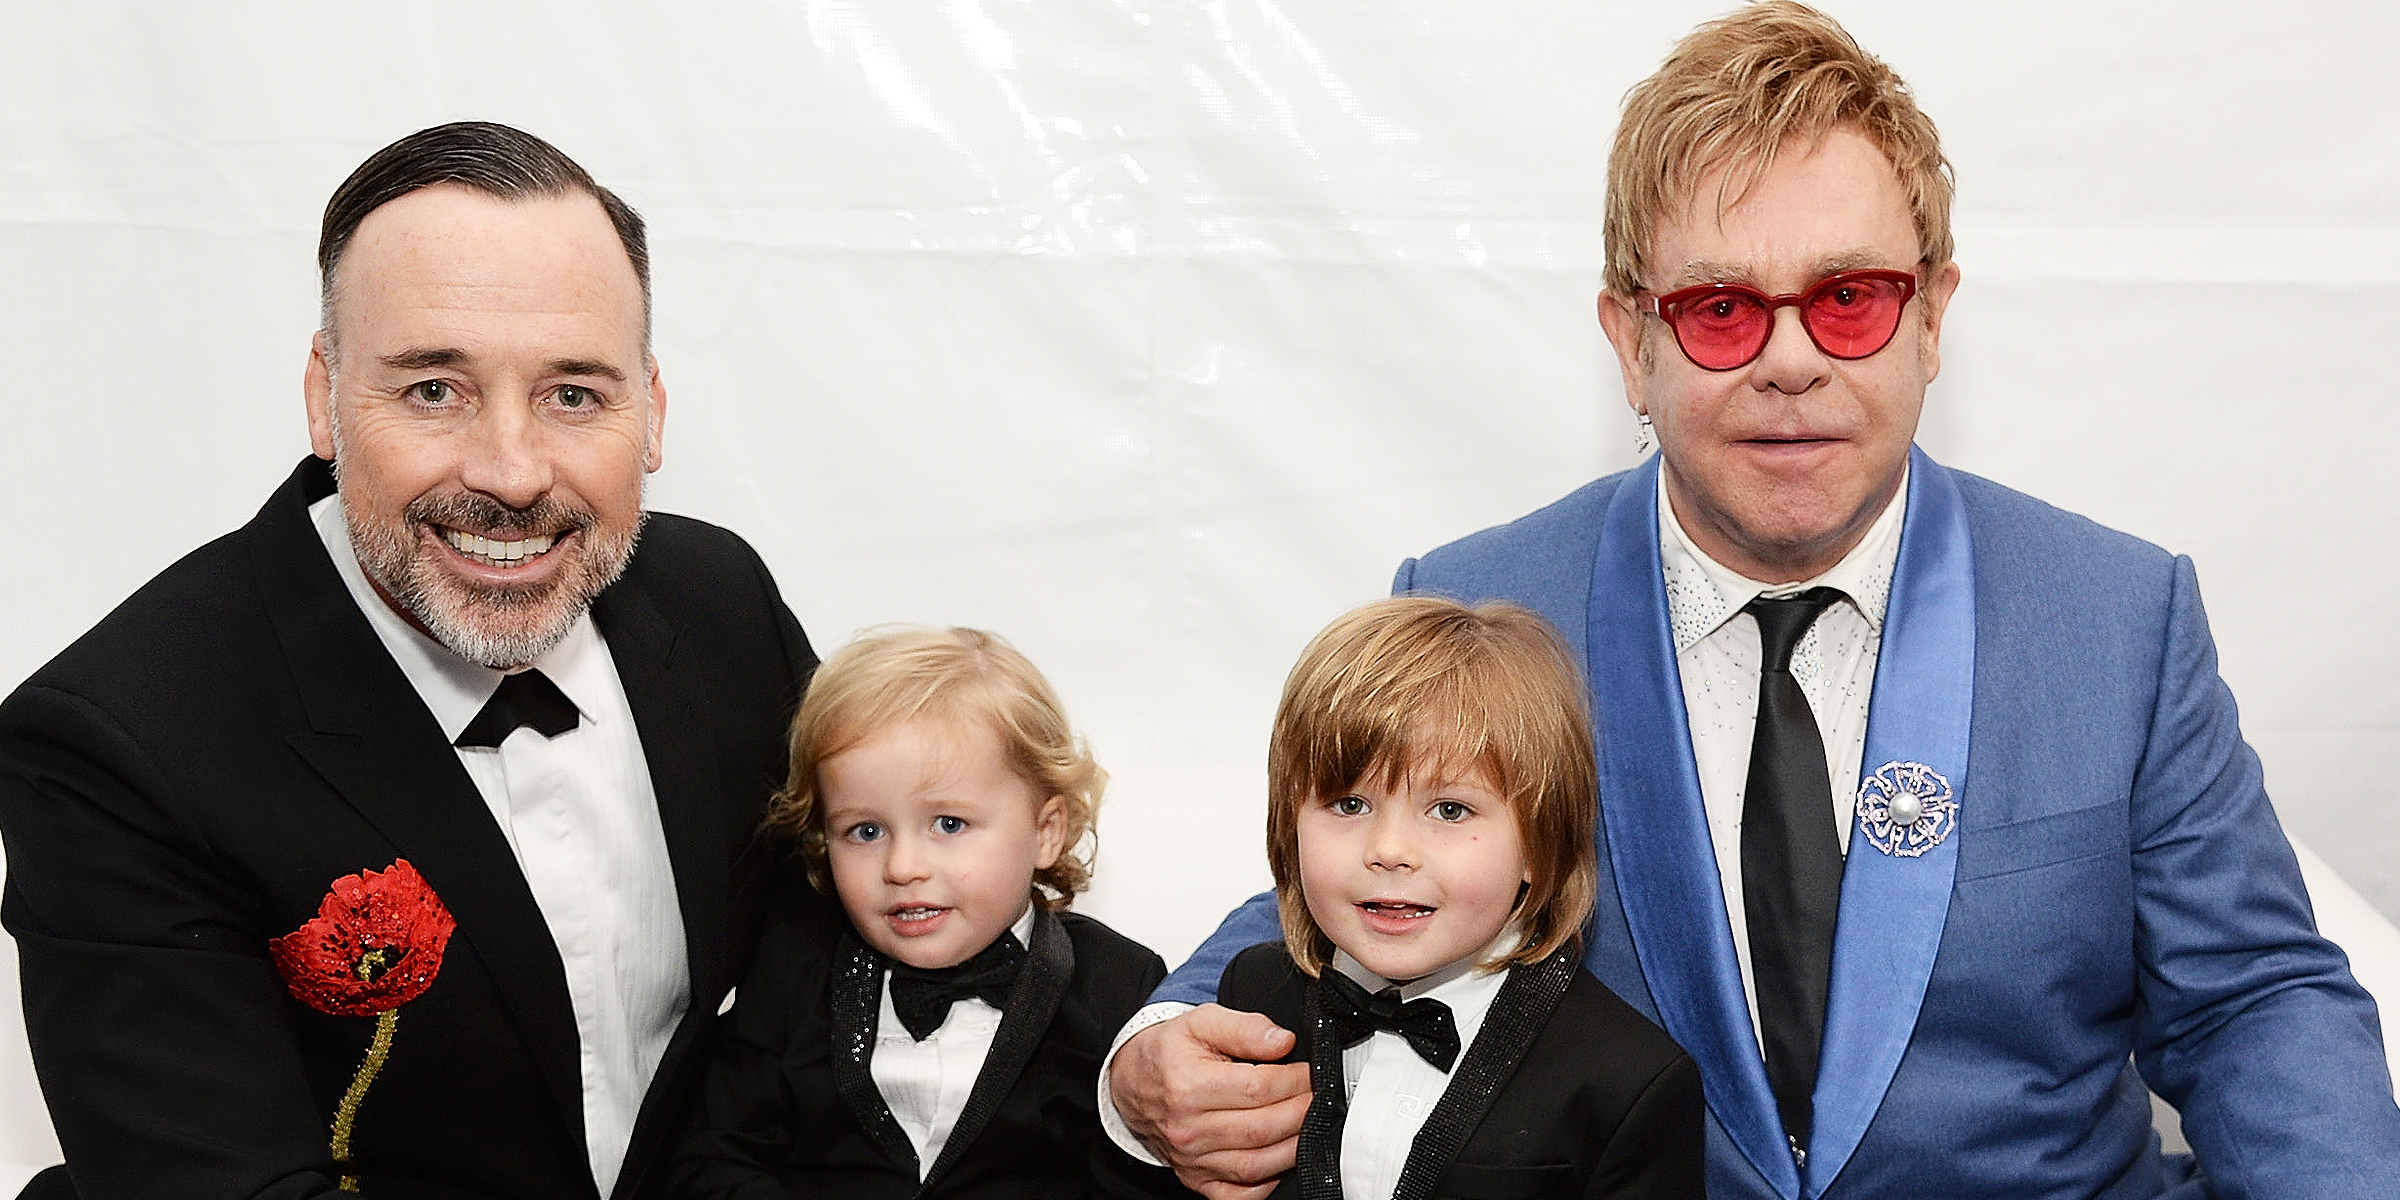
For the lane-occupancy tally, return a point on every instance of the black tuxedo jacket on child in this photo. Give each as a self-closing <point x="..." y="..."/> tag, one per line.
<point x="789" y="1107"/>
<point x="1567" y="1092"/>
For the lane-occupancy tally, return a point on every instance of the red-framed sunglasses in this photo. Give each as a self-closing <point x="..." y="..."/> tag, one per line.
<point x="1720" y="326"/>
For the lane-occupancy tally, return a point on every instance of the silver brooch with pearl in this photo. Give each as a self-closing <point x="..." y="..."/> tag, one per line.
<point x="1906" y="809"/>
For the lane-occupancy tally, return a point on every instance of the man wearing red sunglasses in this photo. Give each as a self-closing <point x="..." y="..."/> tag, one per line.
<point x="1927" y="826"/>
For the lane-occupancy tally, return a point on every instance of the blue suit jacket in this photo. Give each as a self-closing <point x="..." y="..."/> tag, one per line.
<point x="2117" y="903"/>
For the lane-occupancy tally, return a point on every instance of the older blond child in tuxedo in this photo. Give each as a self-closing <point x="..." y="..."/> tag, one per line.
<point x="1431" y="796"/>
<point x="945" y="1041"/>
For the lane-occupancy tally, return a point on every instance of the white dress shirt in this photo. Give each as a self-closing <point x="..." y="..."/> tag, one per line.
<point x="1391" y="1088"/>
<point x="580" y="814"/>
<point x="1717" y="655"/>
<point x="926" y="1083"/>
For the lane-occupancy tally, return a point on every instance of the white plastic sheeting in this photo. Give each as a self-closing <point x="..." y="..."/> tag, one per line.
<point x="1152" y="334"/>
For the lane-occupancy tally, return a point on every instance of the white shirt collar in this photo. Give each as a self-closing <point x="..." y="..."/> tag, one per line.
<point x="1022" y="927"/>
<point x="1703" y="593"/>
<point x="452" y="687"/>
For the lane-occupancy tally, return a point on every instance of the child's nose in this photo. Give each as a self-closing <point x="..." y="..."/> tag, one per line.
<point x="906" y="861"/>
<point x="1390" y="846"/>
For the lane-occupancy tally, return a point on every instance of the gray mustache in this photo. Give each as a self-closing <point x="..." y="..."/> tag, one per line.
<point x="470" y="511"/>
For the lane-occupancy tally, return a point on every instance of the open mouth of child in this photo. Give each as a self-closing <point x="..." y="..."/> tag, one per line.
<point x="1393" y="915"/>
<point x="915" y="918"/>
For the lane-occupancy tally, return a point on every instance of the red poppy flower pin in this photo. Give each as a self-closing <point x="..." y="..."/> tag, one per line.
<point x="375" y="944"/>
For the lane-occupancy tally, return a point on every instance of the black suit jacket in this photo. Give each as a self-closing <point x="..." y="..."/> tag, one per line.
<point x="1566" y="1092"/>
<point x="185" y="782"/>
<point x="789" y="1108"/>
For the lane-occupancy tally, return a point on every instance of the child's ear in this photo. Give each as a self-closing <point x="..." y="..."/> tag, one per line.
<point x="1050" y="833"/>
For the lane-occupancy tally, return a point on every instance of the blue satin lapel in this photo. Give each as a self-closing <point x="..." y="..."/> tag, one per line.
<point x="1893" y="908"/>
<point x="1658" y="843"/>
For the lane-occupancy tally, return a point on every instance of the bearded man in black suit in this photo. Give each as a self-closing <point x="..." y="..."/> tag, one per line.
<point x="402" y="840"/>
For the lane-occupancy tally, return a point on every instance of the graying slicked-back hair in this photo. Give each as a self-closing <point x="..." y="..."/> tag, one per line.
<point x="497" y="160"/>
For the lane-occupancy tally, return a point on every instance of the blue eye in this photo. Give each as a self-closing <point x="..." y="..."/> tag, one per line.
<point x="1350" y="806"/>
<point x="1451" y="810"/>
<point x="949" y="824"/>
<point x="864" y="831"/>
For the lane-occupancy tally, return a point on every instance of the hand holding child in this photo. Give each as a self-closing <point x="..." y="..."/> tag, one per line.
<point x="1205" y="1093"/>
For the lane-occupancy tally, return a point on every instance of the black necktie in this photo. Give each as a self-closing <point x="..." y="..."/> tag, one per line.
<point x="1791" y="864"/>
<point x="1356" y="1016"/>
<point x="525" y="698"/>
<point x="922" y="996"/>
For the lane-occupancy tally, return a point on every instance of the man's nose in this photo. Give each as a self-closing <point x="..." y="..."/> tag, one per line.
<point x="509" y="460"/>
<point x="1790" y="362"/>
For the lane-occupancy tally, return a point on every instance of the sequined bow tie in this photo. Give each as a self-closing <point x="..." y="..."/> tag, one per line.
<point x="923" y="997"/>
<point x="1356" y="1015"/>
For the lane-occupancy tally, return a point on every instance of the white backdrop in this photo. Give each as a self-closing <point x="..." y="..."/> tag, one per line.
<point x="1153" y="333"/>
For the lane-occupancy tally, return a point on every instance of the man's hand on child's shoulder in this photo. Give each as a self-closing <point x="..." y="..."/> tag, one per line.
<point x="1205" y="1093"/>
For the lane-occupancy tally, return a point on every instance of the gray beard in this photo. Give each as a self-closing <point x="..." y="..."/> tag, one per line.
<point x="505" y="627"/>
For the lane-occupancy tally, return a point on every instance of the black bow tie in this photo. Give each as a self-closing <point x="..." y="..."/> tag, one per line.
<point x="525" y="698"/>
<point x="1356" y="1015"/>
<point x="922" y="997"/>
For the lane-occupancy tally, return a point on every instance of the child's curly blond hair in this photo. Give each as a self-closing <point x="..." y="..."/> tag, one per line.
<point x="888" y="677"/>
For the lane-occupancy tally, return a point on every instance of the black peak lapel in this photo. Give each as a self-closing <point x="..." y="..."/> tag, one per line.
<point x="857" y="1001"/>
<point x="1318" y="1160"/>
<point x="1527" y="998"/>
<point x="670" y="706"/>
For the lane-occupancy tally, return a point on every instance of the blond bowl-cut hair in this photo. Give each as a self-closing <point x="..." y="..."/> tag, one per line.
<point x="1424" y="683"/>
<point x="1738" y="91"/>
<point x="888" y="677"/>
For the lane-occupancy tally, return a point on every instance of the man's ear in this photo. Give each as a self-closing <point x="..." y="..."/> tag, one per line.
<point x="1936" y="296"/>
<point x="317" y="385"/>
<point x="658" y="419"/>
<point x="1623" y="325"/>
